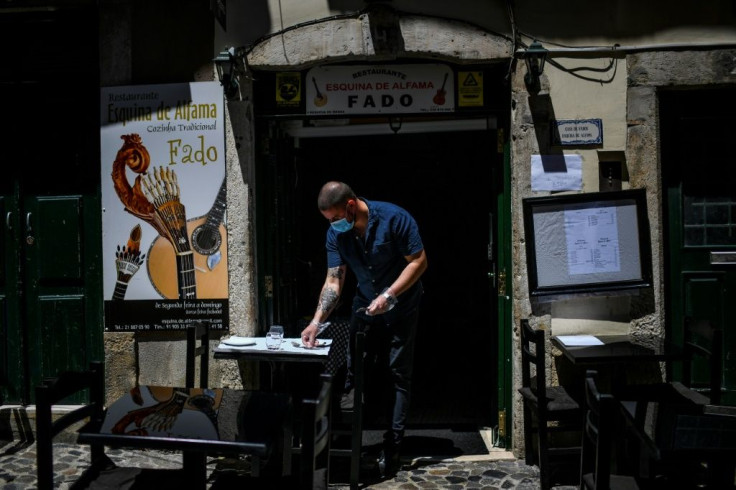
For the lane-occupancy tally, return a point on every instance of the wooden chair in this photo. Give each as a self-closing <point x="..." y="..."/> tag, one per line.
<point x="547" y="409"/>
<point x="315" y="438"/>
<point x="702" y="344"/>
<point x="312" y="448"/>
<point x="102" y="470"/>
<point x="51" y="393"/>
<point x="601" y="411"/>
<point x="349" y="422"/>
<point x="198" y="341"/>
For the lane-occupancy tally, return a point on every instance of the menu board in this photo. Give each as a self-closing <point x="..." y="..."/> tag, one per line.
<point x="587" y="242"/>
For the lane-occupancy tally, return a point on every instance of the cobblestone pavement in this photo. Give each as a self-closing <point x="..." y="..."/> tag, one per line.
<point x="18" y="469"/>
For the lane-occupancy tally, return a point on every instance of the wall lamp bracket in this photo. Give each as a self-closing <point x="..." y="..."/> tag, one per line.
<point x="228" y="71"/>
<point x="534" y="57"/>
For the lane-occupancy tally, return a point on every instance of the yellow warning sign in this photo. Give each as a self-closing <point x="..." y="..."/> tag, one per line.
<point x="288" y="89"/>
<point x="469" y="88"/>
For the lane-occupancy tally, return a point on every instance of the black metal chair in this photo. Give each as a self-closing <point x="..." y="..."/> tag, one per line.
<point x="547" y="410"/>
<point x="310" y="469"/>
<point x="51" y="393"/>
<point x="102" y="471"/>
<point x="349" y="421"/>
<point x="601" y="412"/>
<point x="198" y="340"/>
<point x="703" y="344"/>
<point x="315" y="438"/>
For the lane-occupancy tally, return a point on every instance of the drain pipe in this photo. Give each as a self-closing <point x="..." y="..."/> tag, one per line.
<point x="635" y="48"/>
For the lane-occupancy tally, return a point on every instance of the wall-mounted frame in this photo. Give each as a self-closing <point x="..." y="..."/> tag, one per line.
<point x="590" y="242"/>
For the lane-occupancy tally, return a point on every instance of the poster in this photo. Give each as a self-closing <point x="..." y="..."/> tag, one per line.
<point x="164" y="220"/>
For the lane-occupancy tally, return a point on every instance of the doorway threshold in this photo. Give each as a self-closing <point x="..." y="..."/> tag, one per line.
<point x="345" y="127"/>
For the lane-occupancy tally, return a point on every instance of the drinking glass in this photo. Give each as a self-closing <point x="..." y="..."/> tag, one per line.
<point x="274" y="337"/>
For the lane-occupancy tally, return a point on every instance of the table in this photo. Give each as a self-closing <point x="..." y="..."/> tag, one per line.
<point x="197" y="421"/>
<point x="292" y="351"/>
<point x="622" y="354"/>
<point x="640" y="403"/>
<point x="619" y="349"/>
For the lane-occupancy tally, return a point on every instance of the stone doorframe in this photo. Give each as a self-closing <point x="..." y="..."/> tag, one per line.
<point x="380" y="34"/>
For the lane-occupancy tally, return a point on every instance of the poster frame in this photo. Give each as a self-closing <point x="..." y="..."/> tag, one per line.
<point x="536" y="240"/>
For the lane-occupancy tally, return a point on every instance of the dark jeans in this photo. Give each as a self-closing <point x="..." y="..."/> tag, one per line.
<point x="389" y="363"/>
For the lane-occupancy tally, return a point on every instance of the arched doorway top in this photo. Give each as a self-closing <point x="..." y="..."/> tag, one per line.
<point x="378" y="35"/>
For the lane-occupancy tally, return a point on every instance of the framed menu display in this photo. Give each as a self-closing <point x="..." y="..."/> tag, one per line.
<point x="589" y="242"/>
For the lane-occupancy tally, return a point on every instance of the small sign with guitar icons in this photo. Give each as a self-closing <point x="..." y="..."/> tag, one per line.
<point x="380" y="89"/>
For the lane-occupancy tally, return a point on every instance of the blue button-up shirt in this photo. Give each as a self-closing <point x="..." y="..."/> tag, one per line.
<point x="378" y="258"/>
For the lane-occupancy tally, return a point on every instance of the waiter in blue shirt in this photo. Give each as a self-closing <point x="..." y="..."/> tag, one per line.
<point x="380" y="242"/>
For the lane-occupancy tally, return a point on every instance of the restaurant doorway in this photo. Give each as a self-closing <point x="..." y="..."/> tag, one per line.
<point x="701" y="217"/>
<point x="449" y="180"/>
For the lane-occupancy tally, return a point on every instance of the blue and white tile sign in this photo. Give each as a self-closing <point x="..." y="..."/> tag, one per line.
<point x="567" y="132"/>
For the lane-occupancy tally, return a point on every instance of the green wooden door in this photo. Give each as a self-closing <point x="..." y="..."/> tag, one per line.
<point x="699" y="176"/>
<point x="50" y="284"/>
<point x="503" y="290"/>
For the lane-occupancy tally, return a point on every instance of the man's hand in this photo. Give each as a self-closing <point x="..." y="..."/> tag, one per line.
<point x="309" y="334"/>
<point x="383" y="302"/>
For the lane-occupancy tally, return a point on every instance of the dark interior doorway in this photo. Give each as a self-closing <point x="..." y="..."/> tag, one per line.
<point x="445" y="179"/>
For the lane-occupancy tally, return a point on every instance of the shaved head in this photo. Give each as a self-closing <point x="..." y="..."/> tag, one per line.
<point x="334" y="194"/>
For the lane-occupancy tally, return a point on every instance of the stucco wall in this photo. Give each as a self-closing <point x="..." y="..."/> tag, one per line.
<point x="624" y="97"/>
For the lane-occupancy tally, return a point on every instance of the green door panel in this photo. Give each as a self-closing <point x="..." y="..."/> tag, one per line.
<point x="705" y="299"/>
<point x="12" y="375"/>
<point x="58" y="238"/>
<point x="62" y="333"/>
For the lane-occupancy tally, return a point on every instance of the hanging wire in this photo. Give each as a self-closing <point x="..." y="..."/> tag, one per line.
<point x="577" y="72"/>
<point x="514" y="37"/>
<point x="283" y="42"/>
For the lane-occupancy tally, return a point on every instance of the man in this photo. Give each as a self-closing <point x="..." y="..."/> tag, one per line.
<point x="380" y="242"/>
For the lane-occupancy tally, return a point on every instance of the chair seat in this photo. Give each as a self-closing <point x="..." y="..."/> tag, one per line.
<point x="558" y="399"/>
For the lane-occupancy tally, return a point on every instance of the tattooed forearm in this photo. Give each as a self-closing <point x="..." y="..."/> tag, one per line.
<point x="328" y="299"/>
<point x="335" y="272"/>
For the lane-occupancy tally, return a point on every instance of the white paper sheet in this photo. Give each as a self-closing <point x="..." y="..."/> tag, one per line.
<point x="557" y="172"/>
<point x="592" y="240"/>
<point x="574" y="340"/>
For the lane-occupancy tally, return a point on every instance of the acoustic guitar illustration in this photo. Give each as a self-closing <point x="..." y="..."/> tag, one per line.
<point x="163" y="191"/>
<point x="320" y="100"/>
<point x="158" y="204"/>
<point x="209" y="255"/>
<point x="439" y="97"/>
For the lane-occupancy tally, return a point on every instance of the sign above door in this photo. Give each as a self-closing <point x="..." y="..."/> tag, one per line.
<point x="380" y="89"/>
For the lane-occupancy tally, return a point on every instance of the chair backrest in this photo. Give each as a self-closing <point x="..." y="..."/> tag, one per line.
<point x="533" y="359"/>
<point x="198" y="341"/>
<point x="703" y="341"/>
<point x="52" y="392"/>
<point x="315" y="431"/>
<point x="597" y="435"/>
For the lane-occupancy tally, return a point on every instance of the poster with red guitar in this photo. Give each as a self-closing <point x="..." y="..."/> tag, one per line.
<point x="164" y="207"/>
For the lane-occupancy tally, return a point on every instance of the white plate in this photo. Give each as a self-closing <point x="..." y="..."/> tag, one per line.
<point x="239" y="341"/>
